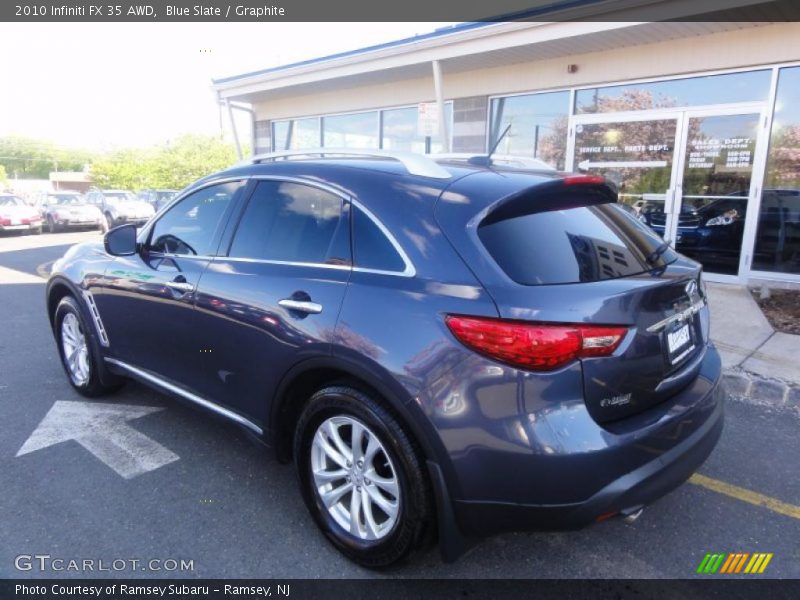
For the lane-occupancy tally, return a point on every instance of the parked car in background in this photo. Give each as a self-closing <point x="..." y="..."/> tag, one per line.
<point x="17" y="215"/>
<point x="158" y="199"/>
<point x="444" y="349"/>
<point x="70" y="210"/>
<point x="120" y="206"/>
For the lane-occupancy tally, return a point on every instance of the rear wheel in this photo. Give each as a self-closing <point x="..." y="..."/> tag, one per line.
<point x="79" y="353"/>
<point x="361" y="477"/>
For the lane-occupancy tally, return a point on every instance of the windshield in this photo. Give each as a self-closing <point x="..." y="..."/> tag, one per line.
<point x="11" y="201"/>
<point x="161" y="196"/>
<point x="65" y="199"/>
<point x="115" y="197"/>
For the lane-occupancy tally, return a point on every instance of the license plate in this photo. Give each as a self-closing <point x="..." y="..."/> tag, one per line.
<point x="679" y="343"/>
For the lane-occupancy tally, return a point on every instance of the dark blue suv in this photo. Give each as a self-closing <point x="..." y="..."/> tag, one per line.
<point x="445" y="349"/>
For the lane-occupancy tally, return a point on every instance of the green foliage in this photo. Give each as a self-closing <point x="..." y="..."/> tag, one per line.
<point x="173" y="165"/>
<point x="28" y="158"/>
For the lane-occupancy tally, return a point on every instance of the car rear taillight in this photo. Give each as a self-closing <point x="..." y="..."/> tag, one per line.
<point x="583" y="180"/>
<point x="535" y="346"/>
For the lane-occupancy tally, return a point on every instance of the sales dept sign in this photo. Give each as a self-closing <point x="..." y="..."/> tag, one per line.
<point x="427" y="119"/>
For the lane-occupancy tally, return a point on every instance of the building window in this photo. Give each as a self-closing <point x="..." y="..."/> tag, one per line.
<point x="777" y="245"/>
<point x="356" y="130"/>
<point x="538" y="126"/>
<point x="296" y="134"/>
<point x="399" y="130"/>
<point x="750" y="86"/>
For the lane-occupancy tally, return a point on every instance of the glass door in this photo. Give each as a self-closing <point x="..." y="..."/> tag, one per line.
<point x="715" y="186"/>
<point x="638" y="153"/>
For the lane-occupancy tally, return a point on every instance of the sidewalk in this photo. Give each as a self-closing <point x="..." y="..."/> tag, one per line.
<point x="760" y="363"/>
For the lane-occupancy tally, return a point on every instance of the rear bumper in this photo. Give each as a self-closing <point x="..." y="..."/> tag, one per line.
<point x="627" y="493"/>
<point x="674" y="457"/>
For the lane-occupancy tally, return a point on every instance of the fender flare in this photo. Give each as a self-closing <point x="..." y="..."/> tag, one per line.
<point x="452" y="542"/>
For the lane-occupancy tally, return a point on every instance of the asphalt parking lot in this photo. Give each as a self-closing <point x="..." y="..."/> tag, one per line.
<point x="225" y="504"/>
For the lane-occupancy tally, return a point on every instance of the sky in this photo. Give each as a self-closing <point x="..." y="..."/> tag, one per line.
<point x="104" y="85"/>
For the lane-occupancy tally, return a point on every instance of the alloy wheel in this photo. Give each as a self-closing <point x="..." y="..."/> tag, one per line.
<point x="355" y="478"/>
<point x="76" y="352"/>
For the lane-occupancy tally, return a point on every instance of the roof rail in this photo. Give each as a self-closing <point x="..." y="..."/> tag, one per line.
<point x="415" y="164"/>
<point x="505" y="160"/>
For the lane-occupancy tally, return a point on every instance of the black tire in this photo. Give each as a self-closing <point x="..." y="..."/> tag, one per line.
<point x="416" y="515"/>
<point x="94" y="386"/>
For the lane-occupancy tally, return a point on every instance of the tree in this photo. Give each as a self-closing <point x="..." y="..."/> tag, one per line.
<point x="783" y="166"/>
<point x="173" y="165"/>
<point x="28" y="158"/>
<point x="3" y="175"/>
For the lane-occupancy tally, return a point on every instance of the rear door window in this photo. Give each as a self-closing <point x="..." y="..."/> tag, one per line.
<point x="572" y="245"/>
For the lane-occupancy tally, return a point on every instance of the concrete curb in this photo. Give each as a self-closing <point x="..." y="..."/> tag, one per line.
<point x="752" y="388"/>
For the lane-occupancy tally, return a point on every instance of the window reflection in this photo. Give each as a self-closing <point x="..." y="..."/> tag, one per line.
<point x="538" y="126"/>
<point x="296" y="134"/>
<point x="716" y="185"/>
<point x="778" y="239"/>
<point x="400" y="130"/>
<point x="693" y="91"/>
<point x="358" y="130"/>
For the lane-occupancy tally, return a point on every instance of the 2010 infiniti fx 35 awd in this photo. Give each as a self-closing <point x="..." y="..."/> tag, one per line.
<point x="444" y="349"/>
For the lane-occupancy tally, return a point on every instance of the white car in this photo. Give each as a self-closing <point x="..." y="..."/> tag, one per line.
<point x="69" y="210"/>
<point x="15" y="215"/>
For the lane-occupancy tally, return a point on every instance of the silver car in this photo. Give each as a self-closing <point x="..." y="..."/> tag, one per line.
<point x="120" y="206"/>
<point x="69" y="210"/>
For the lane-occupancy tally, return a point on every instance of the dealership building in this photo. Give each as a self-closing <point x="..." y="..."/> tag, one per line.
<point x="697" y="122"/>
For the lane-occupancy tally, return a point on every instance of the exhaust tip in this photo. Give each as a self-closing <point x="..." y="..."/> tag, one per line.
<point x="630" y="515"/>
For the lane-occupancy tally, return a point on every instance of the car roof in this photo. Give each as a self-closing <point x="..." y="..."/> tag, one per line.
<point x="377" y="168"/>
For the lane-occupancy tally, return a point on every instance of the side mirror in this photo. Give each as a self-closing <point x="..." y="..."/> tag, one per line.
<point x="121" y="241"/>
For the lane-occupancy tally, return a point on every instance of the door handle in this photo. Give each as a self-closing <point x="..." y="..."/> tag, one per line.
<point x="183" y="286"/>
<point x="305" y="306"/>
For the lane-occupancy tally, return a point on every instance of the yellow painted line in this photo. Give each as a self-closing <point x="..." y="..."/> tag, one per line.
<point x="745" y="495"/>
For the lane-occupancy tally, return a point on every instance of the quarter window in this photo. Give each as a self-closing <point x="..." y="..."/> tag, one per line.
<point x="191" y="226"/>
<point x="292" y="222"/>
<point x="371" y="248"/>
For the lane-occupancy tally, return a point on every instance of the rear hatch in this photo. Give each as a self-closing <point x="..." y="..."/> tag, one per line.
<point x="555" y="250"/>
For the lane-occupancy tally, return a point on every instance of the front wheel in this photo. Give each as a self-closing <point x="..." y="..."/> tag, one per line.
<point x="361" y="477"/>
<point x="80" y="356"/>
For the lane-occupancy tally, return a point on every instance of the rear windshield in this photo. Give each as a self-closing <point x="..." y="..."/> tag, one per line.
<point x="580" y="244"/>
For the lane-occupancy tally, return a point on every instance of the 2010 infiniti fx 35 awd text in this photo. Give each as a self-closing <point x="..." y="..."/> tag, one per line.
<point x="445" y="349"/>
